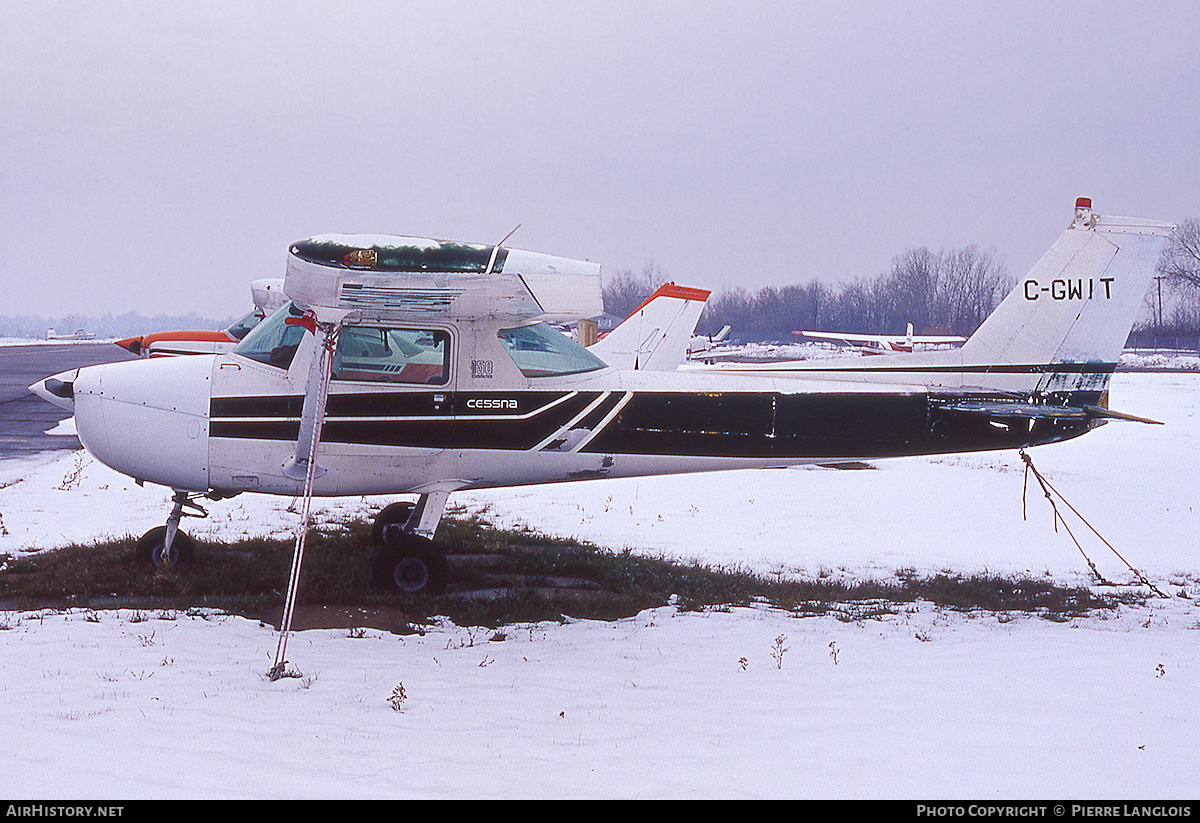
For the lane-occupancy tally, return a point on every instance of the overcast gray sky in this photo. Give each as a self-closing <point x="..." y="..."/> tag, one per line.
<point x="157" y="157"/>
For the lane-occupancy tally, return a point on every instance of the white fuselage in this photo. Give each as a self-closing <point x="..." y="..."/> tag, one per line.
<point x="228" y="422"/>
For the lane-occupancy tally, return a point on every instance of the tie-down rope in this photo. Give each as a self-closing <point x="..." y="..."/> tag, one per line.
<point x="1047" y="489"/>
<point x="326" y="354"/>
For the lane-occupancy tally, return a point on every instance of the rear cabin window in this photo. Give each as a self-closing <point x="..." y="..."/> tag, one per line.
<point x="540" y="351"/>
<point x="390" y="355"/>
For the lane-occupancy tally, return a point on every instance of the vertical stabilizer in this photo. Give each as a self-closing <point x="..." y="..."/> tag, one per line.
<point x="1062" y="329"/>
<point x="655" y="336"/>
<point x="1075" y="306"/>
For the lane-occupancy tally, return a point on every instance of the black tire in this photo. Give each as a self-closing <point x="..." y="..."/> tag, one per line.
<point x="394" y="514"/>
<point x="414" y="565"/>
<point x="149" y="549"/>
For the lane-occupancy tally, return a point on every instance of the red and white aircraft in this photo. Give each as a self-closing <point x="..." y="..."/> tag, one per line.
<point x="657" y="334"/>
<point x="268" y="296"/>
<point x="884" y="344"/>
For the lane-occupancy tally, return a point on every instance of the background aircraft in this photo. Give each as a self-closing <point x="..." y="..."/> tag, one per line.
<point x="78" y="334"/>
<point x="267" y="295"/>
<point x="884" y="344"/>
<point x="704" y="348"/>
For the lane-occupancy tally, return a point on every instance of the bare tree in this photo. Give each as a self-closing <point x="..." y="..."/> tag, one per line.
<point x="912" y="291"/>
<point x="948" y="292"/>
<point x="939" y="293"/>
<point x="970" y="284"/>
<point x="626" y="290"/>
<point x="1180" y="263"/>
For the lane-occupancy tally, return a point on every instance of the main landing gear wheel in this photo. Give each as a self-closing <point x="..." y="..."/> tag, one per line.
<point x="411" y="564"/>
<point x="408" y="562"/>
<point x="395" y="514"/>
<point x="149" y="549"/>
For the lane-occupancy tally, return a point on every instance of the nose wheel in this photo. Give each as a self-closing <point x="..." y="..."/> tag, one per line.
<point x="166" y="546"/>
<point x="151" y="549"/>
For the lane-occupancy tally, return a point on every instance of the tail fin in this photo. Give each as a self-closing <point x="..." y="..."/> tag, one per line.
<point x="1061" y="329"/>
<point x="1076" y="306"/>
<point x="656" y="335"/>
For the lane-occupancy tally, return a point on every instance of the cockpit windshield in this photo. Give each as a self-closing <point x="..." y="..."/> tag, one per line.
<point x="273" y="341"/>
<point x="540" y="351"/>
<point x="241" y="328"/>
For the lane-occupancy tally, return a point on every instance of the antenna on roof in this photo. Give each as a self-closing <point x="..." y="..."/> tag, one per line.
<point x="496" y="249"/>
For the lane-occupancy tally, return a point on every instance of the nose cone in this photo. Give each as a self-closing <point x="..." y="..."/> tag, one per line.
<point x="59" y="389"/>
<point x="148" y="418"/>
<point x="134" y="345"/>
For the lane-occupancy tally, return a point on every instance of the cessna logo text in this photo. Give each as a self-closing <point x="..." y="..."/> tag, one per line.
<point x="491" y="403"/>
<point x="1077" y="289"/>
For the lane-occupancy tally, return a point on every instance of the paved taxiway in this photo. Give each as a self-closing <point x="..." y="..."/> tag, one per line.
<point x="24" y="417"/>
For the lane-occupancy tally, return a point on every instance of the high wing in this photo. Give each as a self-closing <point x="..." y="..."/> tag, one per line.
<point x="934" y="338"/>
<point x="849" y="339"/>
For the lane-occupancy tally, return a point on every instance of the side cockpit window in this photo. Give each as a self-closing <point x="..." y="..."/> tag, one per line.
<point x="392" y="355"/>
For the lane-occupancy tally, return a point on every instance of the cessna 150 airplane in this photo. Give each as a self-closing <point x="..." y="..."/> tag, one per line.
<point x="423" y="367"/>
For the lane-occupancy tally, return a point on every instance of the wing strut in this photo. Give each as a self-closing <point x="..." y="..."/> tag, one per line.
<point x="316" y="393"/>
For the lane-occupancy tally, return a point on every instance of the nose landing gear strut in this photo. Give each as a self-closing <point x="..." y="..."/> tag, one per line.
<point x="167" y="546"/>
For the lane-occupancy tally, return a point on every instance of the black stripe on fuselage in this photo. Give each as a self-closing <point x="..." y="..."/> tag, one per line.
<point x="436" y="420"/>
<point x="817" y="425"/>
<point x="767" y="424"/>
<point x="994" y="368"/>
<point x="712" y="424"/>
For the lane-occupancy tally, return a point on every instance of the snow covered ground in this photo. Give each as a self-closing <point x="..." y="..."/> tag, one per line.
<point x="927" y="703"/>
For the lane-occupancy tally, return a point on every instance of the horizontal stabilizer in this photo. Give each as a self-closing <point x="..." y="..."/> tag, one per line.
<point x="1100" y="411"/>
<point x="1003" y="410"/>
